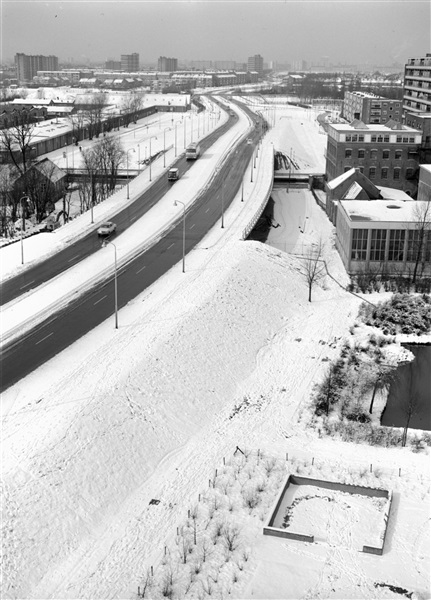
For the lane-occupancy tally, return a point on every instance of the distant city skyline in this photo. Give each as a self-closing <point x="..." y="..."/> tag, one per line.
<point x="359" y="32"/>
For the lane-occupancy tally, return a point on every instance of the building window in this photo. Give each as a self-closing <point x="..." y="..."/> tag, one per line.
<point x="415" y="245"/>
<point x="398" y="154"/>
<point x="384" y="173"/>
<point x="385" y="154"/>
<point x="409" y="173"/>
<point x="411" y="140"/>
<point x="379" y="138"/>
<point x="378" y="244"/>
<point x="374" y="138"/>
<point x="347" y="169"/>
<point x="373" y="153"/>
<point x="348" y="153"/>
<point x="354" y="138"/>
<point x="361" y="153"/>
<point x="360" y="138"/>
<point x="372" y="173"/>
<point x="359" y="244"/>
<point x="399" y="139"/>
<point x="396" y="245"/>
<point x="397" y="173"/>
<point x="386" y="138"/>
<point x="405" y="140"/>
<point x="348" y="137"/>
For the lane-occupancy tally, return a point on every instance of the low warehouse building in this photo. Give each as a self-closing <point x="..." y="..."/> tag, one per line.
<point x="386" y="236"/>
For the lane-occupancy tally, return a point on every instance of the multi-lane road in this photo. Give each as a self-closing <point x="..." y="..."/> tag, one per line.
<point x="61" y="329"/>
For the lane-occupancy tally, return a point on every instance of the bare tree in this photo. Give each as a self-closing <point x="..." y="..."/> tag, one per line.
<point x="131" y="107"/>
<point x="111" y="156"/>
<point x="93" y="115"/>
<point x="231" y="535"/>
<point x="40" y="188"/>
<point x="312" y="266"/>
<point x="418" y="249"/>
<point x="410" y="406"/>
<point x="16" y="141"/>
<point x="380" y="378"/>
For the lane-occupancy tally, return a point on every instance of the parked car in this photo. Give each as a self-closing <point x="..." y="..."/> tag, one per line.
<point x="249" y="141"/>
<point x="107" y="228"/>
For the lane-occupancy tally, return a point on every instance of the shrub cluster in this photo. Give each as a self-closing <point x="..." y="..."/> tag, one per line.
<point x="403" y="313"/>
<point x="368" y="282"/>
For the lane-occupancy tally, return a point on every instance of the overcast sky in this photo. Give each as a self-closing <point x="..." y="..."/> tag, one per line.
<point x="347" y="32"/>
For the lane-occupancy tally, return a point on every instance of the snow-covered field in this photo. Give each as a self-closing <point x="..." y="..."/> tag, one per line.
<point x="224" y="355"/>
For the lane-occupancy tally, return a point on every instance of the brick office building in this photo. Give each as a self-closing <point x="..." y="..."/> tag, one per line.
<point x="369" y="108"/>
<point x="387" y="154"/>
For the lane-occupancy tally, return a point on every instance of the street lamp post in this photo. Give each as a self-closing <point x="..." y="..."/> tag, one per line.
<point x="22" y="227"/>
<point x="150" y="152"/>
<point x="164" y="145"/>
<point x="105" y="243"/>
<point x="184" y="232"/>
<point x="127" y="167"/>
<point x="222" y="200"/>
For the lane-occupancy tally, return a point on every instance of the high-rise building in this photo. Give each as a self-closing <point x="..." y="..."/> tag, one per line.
<point x="167" y="64"/>
<point x="130" y="62"/>
<point x="417" y="85"/>
<point x="255" y="63"/>
<point x="27" y="66"/>
<point x="369" y="108"/>
<point x="113" y="65"/>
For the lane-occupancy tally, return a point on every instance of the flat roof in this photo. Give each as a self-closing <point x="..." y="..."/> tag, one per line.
<point x="373" y="127"/>
<point x="396" y="211"/>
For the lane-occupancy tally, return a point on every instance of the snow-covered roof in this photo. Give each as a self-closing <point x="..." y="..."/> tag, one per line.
<point x="372" y="127"/>
<point x="32" y="101"/>
<point x="59" y="109"/>
<point x="381" y="210"/>
<point x="353" y="192"/>
<point x="391" y="193"/>
<point x="340" y="179"/>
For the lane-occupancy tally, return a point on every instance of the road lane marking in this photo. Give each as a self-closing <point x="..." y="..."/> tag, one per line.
<point x="26" y="285"/>
<point x="100" y="300"/>
<point x="207" y="210"/>
<point x="191" y="226"/>
<point x="171" y="245"/>
<point x="141" y="269"/>
<point x="46" y="337"/>
<point x="73" y="258"/>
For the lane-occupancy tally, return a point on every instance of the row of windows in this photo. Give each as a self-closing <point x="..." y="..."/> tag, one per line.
<point x="384" y="172"/>
<point x="401" y="139"/>
<point x="402" y="244"/>
<point x="398" y="154"/>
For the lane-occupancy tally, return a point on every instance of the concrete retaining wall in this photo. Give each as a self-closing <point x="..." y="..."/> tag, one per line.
<point x="329" y="485"/>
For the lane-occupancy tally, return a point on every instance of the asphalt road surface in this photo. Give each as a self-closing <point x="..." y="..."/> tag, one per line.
<point x="60" y="330"/>
<point x="90" y="243"/>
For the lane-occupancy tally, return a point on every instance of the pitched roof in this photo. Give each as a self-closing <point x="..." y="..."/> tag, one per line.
<point x="50" y="170"/>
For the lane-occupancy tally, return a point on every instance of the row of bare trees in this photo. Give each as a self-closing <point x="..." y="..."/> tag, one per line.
<point x="101" y="165"/>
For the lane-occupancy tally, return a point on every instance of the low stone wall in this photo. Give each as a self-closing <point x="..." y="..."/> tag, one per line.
<point x="269" y="529"/>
